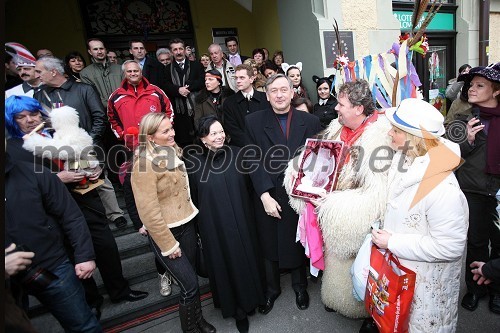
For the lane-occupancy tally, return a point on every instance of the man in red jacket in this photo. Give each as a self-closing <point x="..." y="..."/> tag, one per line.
<point x="131" y="101"/>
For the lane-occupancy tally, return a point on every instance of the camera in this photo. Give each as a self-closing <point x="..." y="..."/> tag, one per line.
<point x="34" y="279"/>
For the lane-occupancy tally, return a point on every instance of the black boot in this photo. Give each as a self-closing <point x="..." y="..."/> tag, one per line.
<point x="201" y="323"/>
<point x="187" y="314"/>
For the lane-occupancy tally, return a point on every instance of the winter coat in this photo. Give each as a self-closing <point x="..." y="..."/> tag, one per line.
<point x="229" y="72"/>
<point x="471" y="175"/>
<point x="263" y="130"/>
<point x="429" y="238"/>
<point x="205" y="106"/>
<point x="162" y="195"/>
<point x="235" y="109"/>
<point x="84" y="98"/>
<point x="345" y="216"/>
<point x="106" y="78"/>
<point x="227" y="228"/>
<point x="40" y="213"/>
<point x="128" y="104"/>
<point x="326" y="112"/>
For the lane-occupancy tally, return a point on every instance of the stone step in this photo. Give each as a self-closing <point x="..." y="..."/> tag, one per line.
<point x="116" y="314"/>
<point x="132" y="244"/>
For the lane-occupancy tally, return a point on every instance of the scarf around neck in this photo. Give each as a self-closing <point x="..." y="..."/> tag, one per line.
<point x="493" y="138"/>
<point x="180" y="106"/>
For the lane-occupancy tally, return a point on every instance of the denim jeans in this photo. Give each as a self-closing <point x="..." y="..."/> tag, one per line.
<point x="182" y="268"/>
<point x="65" y="299"/>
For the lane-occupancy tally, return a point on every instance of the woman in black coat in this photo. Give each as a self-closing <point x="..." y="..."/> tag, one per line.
<point x="210" y="99"/>
<point x="226" y="223"/>
<point x="325" y="108"/>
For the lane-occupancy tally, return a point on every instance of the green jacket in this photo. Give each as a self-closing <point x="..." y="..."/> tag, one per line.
<point x="106" y="78"/>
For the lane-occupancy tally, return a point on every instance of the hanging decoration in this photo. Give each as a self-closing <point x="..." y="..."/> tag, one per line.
<point x="391" y="75"/>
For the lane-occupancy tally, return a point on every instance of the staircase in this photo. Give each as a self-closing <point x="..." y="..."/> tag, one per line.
<point x="140" y="271"/>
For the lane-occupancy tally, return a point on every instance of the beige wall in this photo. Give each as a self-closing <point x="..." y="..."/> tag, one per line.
<point x="57" y="24"/>
<point x="258" y="28"/>
<point x="494" y="55"/>
<point x="52" y="24"/>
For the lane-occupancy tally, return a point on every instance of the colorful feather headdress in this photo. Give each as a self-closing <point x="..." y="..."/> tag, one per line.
<point x="391" y="75"/>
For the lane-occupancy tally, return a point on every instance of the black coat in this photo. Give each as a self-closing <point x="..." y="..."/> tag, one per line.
<point x="326" y="112"/>
<point x="154" y="72"/>
<point x="227" y="228"/>
<point x="40" y="212"/>
<point x="205" y="106"/>
<point x="183" y="122"/>
<point x="235" y="109"/>
<point x="85" y="99"/>
<point x="263" y="129"/>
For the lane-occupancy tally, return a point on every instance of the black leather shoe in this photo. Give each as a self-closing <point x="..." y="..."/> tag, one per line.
<point x="494" y="303"/>
<point x="97" y="312"/>
<point x="251" y="313"/>
<point x="120" y="222"/>
<point x="302" y="299"/>
<point x="470" y="301"/>
<point x="242" y="325"/>
<point x="268" y="306"/>
<point x="132" y="296"/>
<point x="368" y="326"/>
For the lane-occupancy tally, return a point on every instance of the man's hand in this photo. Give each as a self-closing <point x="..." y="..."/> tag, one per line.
<point x="85" y="269"/>
<point x="271" y="206"/>
<point x="477" y="270"/>
<point x="184" y="91"/>
<point x="17" y="261"/>
<point x="97" y="172"/>
<point x="70" y="176"/>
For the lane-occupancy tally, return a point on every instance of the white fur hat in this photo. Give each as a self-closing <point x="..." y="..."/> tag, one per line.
<point x="415" y="115"/>
<point x="286" y="66"/>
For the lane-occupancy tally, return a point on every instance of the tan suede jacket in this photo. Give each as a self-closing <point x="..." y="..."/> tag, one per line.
<point x="161" y="190"/>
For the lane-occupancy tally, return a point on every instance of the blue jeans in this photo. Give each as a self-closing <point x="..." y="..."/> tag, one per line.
<point x="182" y="269"/>
<point x="65" y="299"/>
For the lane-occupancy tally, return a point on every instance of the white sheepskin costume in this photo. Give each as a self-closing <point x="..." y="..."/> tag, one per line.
<point x="70" y="142"/>
<point x="346" y="214"/>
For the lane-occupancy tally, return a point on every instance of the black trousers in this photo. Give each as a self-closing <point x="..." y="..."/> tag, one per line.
<point x="107" y="256"/>
<point x="273" y="288"/>
<point x="484" y="231"/>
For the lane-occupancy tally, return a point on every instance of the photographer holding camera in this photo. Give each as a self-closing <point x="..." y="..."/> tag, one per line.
<point x="39" y="214"/>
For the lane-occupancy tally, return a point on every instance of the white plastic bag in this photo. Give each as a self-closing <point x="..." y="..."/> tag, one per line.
<point x="360" y="269"/>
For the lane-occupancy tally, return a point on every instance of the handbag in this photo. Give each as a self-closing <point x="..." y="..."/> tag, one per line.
<point x="201" y="264"/>
<point x="389" y="291"/>
<point x="360" y="269"/>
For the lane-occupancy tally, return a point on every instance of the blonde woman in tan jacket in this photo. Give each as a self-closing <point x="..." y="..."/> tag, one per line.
<point x="161" y="189"/>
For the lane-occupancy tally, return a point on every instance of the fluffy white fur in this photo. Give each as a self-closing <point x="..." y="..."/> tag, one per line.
<point x="346" y="214"/>
<point x="68" y="135"/>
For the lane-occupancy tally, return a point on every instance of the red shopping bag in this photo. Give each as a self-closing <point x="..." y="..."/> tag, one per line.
<point x="389" y="291"/>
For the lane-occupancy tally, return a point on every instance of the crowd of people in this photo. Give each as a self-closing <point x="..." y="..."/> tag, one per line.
<point x="209" y="148"/>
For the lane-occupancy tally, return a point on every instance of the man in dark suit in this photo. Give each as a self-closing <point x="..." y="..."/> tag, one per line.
<point x="151" y="68"/>
<point x="278" y="132"/>
<point x="244" y="102"/>
<point x="234" y="53"/>
<point x="184" y="78"/>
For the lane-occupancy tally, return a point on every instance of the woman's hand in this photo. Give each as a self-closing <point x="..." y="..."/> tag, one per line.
<point x="473" y="130"/>
<point x="381" y="238"/>
<point x="143" y="231"/>
<point x="176" y="254"/>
